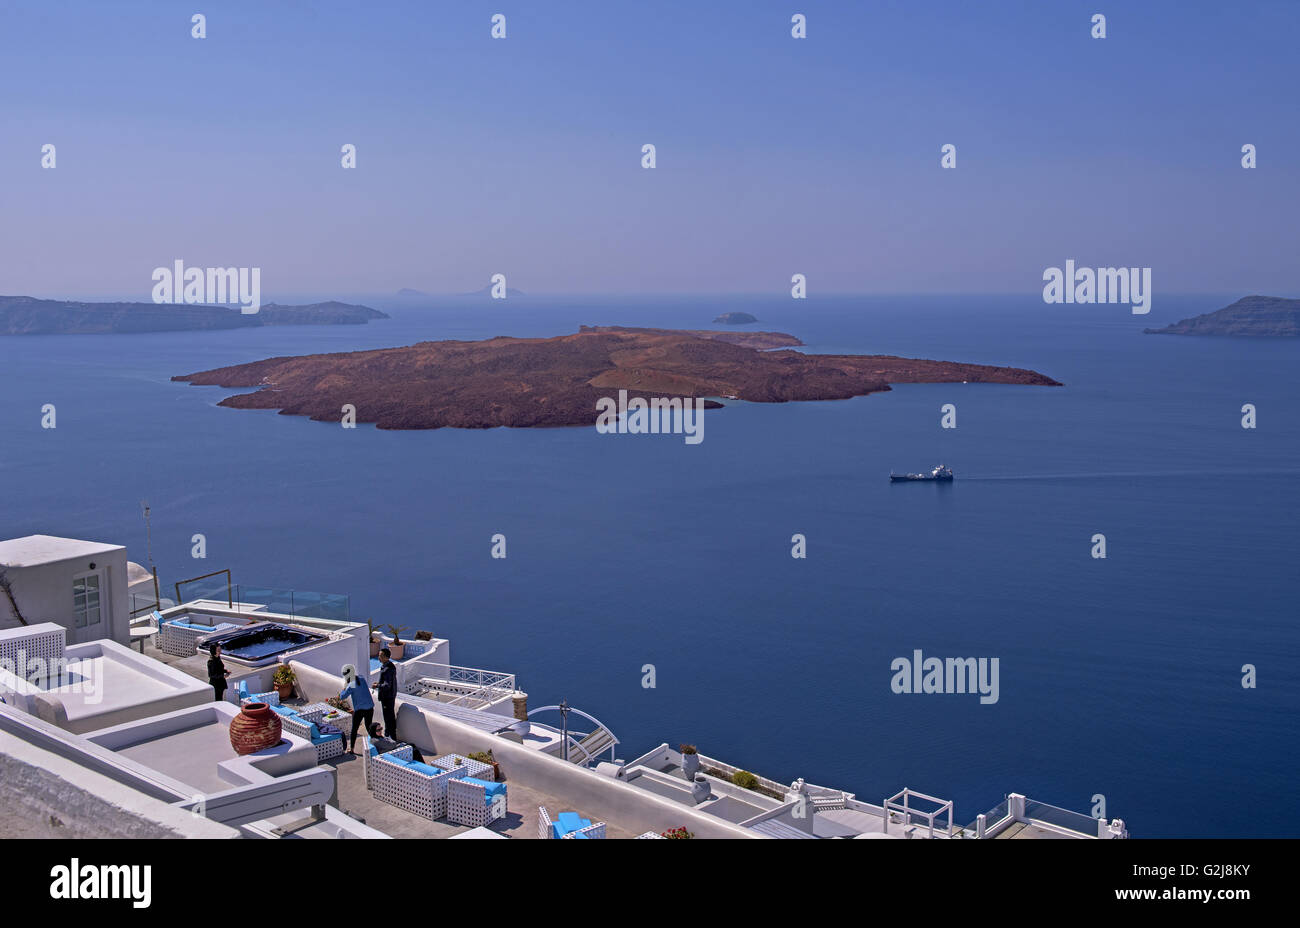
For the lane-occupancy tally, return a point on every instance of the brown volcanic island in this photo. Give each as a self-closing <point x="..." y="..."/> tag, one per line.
<point x="531" y="382"/>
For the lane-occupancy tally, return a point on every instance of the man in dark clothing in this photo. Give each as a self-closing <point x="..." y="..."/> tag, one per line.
<point x="217" y="672"/>
<point x="387" y="691"/>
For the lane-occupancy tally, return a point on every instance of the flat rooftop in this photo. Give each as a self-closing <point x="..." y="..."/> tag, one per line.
<point x="32" y="550"/>
<point x="190" y="755"/>
<point x="96" y="685"/>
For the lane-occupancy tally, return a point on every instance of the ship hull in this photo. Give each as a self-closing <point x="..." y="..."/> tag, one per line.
<point x="922" y="478"/>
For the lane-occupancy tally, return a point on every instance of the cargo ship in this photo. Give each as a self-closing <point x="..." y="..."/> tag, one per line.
<point x="942" y="473"/>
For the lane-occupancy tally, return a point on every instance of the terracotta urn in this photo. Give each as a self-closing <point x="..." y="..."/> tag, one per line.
<point x="255" y="728"/>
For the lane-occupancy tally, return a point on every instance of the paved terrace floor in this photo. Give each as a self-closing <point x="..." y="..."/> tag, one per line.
<point x="196" y="665"/>
<point x="357" y="801"/>
<point x="520" y="821"/>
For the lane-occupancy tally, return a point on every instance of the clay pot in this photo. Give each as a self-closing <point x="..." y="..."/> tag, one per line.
<point x="256" y="728"/>
<point x="284" y="690"/>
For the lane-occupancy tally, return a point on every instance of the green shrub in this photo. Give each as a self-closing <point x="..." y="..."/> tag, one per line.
<point x="744" y="779"/>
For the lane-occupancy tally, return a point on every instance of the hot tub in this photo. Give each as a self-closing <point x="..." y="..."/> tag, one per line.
<point x="262" y="643"/>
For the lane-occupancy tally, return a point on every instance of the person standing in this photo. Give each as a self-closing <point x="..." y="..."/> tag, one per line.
<point x="363" y="707"/>
<point x="217" y="672"/>
<point x="387" y="688"/>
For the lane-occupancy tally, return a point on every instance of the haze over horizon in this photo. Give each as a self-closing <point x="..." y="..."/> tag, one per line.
<point x="775" y="156"/>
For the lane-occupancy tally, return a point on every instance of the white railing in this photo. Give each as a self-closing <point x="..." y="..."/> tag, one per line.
<point x="471" y="687"/>
<point x="707" y="763"/>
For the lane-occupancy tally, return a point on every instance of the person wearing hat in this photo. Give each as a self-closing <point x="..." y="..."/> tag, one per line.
<point x="363" y="706"/>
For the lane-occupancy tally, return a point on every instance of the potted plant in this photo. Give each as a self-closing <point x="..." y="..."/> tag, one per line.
<point x="485" y="757"/>
<point x="424" y="635"/>
<point x="283" y="680"/>
<point x="398" y="646"/>
<point x="376" y="642"/>
<point x="690" y="761"/>
<point x="678" y="833"/>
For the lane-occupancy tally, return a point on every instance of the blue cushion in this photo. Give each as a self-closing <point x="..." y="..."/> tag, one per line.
<point x="393" y="758"/>
<point x="564" y="823"/>
<point x="284" y="710"/>
<point x="426" y="769"/>
<point x="374" y="751"/>
<point x="493" y="789"/>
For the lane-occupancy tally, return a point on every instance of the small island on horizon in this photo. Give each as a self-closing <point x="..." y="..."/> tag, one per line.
<point x="735" y="319"/>
<point x="540" y="382"/>
<point x="1251" y="315"/>
<point x="26" y="315"/>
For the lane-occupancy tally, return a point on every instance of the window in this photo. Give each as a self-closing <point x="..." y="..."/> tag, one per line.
<point x="85" y="600"/>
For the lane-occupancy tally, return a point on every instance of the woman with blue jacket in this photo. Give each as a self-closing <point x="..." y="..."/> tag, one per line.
<point x="363" y="705"/>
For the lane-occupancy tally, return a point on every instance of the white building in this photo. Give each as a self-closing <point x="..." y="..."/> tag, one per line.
<point x="80" y="585"/>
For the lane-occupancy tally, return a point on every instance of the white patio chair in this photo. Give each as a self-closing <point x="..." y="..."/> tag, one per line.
<point x="394" y="781"/>
<point x="468" y="802"/>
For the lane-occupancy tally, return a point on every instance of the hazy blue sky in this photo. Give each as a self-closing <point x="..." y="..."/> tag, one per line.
<point x="775" y="155"/>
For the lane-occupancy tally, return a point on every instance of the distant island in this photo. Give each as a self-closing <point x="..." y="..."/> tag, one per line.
<point x="487" y="291"/>
<point x="760" y="340"/>
<point x="25" y="315"/>
<point x="1251" y="315"/>
<point x="534" y="382"/>
<point x="735" y="319"/>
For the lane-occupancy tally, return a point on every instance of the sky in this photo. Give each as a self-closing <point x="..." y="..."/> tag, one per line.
<point x="774" y="155"/>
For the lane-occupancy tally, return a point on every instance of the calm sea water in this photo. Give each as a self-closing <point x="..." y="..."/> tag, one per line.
<point x="1119" y="677"/>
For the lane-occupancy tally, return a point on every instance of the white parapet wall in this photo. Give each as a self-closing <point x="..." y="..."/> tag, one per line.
<point x="99" y="684"/>
<point x="599" y="797"/>
<point x="51" y="789"/>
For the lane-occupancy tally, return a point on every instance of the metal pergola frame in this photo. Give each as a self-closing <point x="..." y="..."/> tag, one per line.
<point x="892" y="805"/>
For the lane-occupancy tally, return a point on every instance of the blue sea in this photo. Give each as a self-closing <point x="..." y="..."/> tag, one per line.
<point x="1119" y="677"/>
